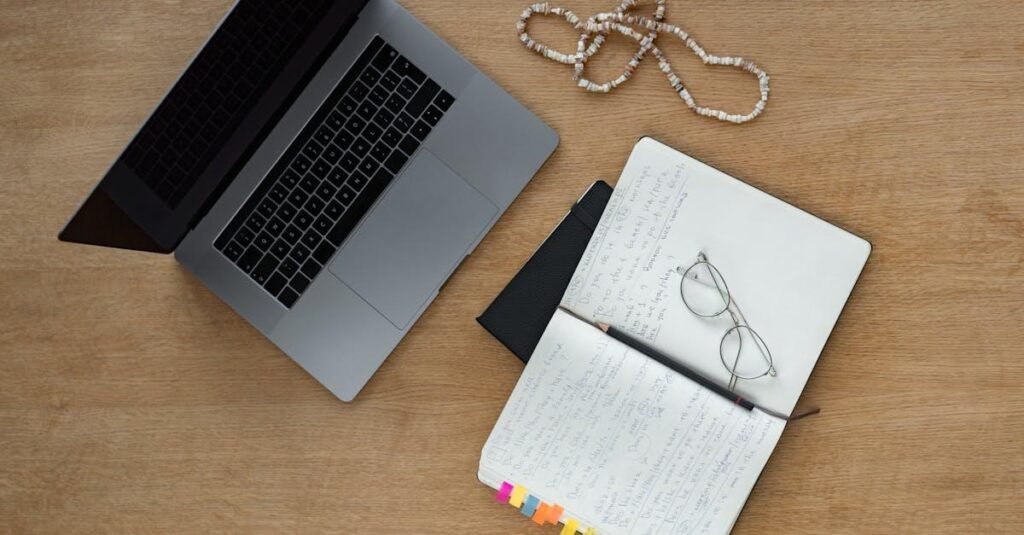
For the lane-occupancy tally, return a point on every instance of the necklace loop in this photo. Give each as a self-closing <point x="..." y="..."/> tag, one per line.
<point x="595" y="30"/>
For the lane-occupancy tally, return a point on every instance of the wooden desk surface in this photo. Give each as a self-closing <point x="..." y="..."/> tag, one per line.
<point x="131" y="399"/>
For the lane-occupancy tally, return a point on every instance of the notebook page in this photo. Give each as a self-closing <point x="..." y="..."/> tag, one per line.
<point x="788" y="271"/>
<point x="622" y="443"/>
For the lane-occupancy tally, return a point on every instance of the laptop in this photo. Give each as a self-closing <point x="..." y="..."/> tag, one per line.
<point x="323" y="167"/>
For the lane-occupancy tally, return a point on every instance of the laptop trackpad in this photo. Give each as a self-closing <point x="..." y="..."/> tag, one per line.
<point x="413" y="239"/>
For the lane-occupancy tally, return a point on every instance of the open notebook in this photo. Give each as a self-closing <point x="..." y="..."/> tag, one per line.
<point x="599" y="437"/>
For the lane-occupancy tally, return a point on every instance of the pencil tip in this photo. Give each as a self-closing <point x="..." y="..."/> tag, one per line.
<point x="603" y="326"/>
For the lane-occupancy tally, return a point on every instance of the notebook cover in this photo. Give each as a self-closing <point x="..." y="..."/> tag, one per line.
<point x="519" y="314"/>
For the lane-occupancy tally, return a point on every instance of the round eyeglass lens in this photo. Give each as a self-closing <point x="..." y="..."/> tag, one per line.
<point x="744" y="354"/>
<point x="704" y="291"/>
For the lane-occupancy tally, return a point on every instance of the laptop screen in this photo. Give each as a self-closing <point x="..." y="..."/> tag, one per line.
<point x="219" y="110"/>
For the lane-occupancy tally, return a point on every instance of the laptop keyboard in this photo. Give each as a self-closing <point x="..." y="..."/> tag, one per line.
<point x="329" y="177"/>
<point x="223" y="82"/>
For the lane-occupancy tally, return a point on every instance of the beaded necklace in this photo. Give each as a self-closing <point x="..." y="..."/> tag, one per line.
<point x="595" y="30"/>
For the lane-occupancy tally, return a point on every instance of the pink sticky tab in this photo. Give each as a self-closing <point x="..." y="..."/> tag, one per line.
<point x="504" y="492"/>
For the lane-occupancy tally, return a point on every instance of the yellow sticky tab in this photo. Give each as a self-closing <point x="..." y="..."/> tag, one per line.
<point x="570" y="527"/>
<point x="590" y="531"/>
<point x="518" y="494"/>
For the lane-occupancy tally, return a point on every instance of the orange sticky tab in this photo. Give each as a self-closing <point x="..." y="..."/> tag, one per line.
<point x="518" y="493"/>
<point x="541" y="514"/>
<point x="554" y="514"/>
<point x="570" y="527"/>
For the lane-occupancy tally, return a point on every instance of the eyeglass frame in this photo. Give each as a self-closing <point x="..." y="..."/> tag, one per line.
<point x="738" y="319"/>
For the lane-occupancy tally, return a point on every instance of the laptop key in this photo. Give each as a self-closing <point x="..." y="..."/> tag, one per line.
<point x="336" y="120"/>
<point x="287" y="297"/>
<point x="395" y="103"/>
<point x="275" y="284"/>
<point x="357" y="181"/>
<point x="256" y="222"/>
<point x="314" y="205"/>
<point x="378" y="96"/>
<point x="323" y="224"/>
<point x="303" y="220"/>
<point x="370" y="76"/>
<point x="299" y="253"/>
<point x="380" y="151"/>
<point x="301" y="164"/>
<point x="292" y="234"/>
<point x="275" y="226"/>
<point x="233" y="251"/>
<point x="312" y="149"/>
<point x="360" y="148"/>
<point x="309" y="184"/>
<point x="404" y="121"/>
<point x="444" y="100"/>
<point x="298" y="197"/>
<point x="299" y="282"/>
<point x="383" y="118"/>
<point x="263" y="241"/>
<point x="249" y="259"/>
<point x="395" y="162"/>
<point x="324" y="252"/>
<point x="355" y="125"/>
<point x="349" y="162"/>
<point x="288" y="267"/>
<point x="264" y="269"/>
<point x="280" y="248"/>
<point x="358" y="90"/>
<point x="286" y="212"/>
<point x="320" y="169"/>
<point x="406" y="68"/>
<point x="244" y="236"/>
<point x="384" y="57"/>
<point x="392" y="136"/>
<point x="432" y="115"/>
<point x="345" y="195"/>
<point x="406" y="88"/>
<point x="334" y="210"/>
<point x="279" y="193"/>
<point x="366" y="110"/>
<point x="333" y="153"/>
<point x="290" y="178"/>
<point x="267" y="208"/>
<point x="311" y="238"/>
<point x="389" y="81"/>
<point x="372" y="132"/>
<point x="409" y="145"/>
<point x="347" y="106"/>
<point x="311" y="268"/>
<point x="368" y="166"/>
<point x="325" y="191"/>
<point x="419" y="102"/>
<point x="324" y="135"/>
<point x="337" y="177"/>
<point x="344" y="139"/>
<point x="421" y="130"/>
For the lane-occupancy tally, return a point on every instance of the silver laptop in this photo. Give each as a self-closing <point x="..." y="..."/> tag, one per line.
<point x="323" y="167"/>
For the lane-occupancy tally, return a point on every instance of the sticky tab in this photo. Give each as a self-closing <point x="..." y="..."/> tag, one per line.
<point x="530" y="505"/>
<point x="554" y="514"/>
<point x="590" y="531"/>
<point x="541" y="514"/>
<point x="503" y="492"/>
<point x="518" y="493"/>
<point x="570" y="527"/>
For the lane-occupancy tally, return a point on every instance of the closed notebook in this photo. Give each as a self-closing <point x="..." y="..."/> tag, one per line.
<point x="604" y="438"/>
<point x="518" y="315"/>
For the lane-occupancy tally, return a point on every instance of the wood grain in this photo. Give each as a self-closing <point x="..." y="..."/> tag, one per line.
<point x="133" y="400"/>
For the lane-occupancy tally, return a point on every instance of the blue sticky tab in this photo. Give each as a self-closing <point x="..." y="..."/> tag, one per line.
<point x="530" y="505"/>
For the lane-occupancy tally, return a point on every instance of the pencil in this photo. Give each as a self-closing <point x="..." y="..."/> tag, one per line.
<point x="664" y="360"/>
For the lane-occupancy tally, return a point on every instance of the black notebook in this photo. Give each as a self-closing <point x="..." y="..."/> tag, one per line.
<point x="518" y="316"/>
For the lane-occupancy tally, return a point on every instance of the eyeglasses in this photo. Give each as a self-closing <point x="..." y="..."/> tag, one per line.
<point x="743" y="352"/>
